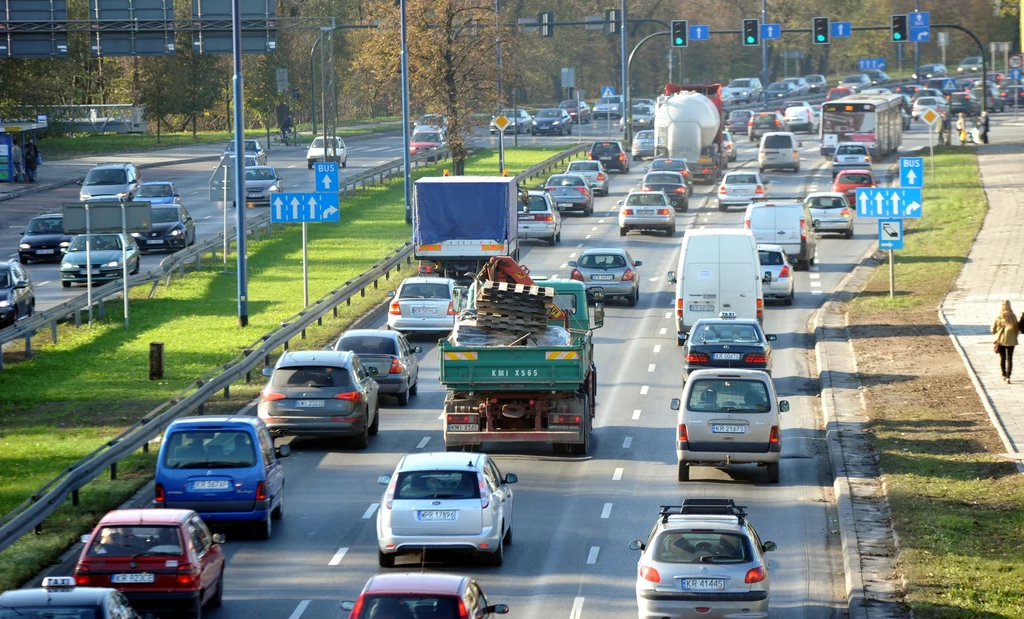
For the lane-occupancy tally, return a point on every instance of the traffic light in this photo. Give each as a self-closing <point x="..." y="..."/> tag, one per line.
<point x="899" y="28"/>
<point x="821" y="30"/>
<point x="546" y="27"/>
<point x="751" y="36"/>
<point x="612" y="17"/>
<point x="679" y="32"/>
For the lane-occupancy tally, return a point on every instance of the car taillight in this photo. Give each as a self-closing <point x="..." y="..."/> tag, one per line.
<point x="686" y="173"/>
<point x="395" y="309"/>
<point x="663" y="211"/>
<point x="803" y="229"/>
<point x="777" y="123"/>
<point x="396" y="367"/>
<point x="357" y="608"/>
<point x="485" y="497"/>
<point x="628" y="275"/>
<point x="774" y="436"/>
<point x="270" y="396"/>
<point x="760" y="190"/>
<point x="750" y="122"/>
<point x="352" y="396"/>
<point x="679" y="308"/>
<point x="261" y="491"/>
<point x="158" y="493"/>
<point x="627" y="211"/>
<point x="756" y="357"/>
<point x="760" y="309"/>
<point x="590" y="156"/>
<point x="583" y="190"/>
<point x="600" y="176"/>
<point x="722" y="190"/>
<point x="576" y="275"/>
<point x="796" y="155"/>
<point x="756" y="574"/>
<point x="650" y="574"/>
<point x="682" y="433"/>
<point x="451" y="309"/>
<point x="680" y="189"/>
<point x="696" y="357"/>
<point x="543" y="218"/>
<point x="784" y="272"/>
<point x="645" y="188"/>
<point x="81" y="578"/>
<point x="622" y="156"/>
<point x="845" y="212"/>
<point x="187" y="575"/>
<point x="867" y="159"/>
<point x="463" y="613"/>
<point x="746" y="224"/>
<point x="389" y="496"/>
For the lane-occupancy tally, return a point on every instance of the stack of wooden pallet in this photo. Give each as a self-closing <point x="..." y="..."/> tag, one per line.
<point x="513" y="307"/>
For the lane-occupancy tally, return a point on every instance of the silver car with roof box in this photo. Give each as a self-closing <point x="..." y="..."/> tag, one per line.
<point x="423" y="304"/>
<point x="594" y="172"/>
<point x="611" y="269"/>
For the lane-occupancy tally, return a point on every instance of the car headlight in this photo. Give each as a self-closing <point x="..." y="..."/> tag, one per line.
<point x="136" y="235"/>
<point x="67" y="266"/>
<point x="555" y="123"/>
<point x="123" y="196"/>
<point x="65" y="243"/>
<point x="274" y="188"/>
<point x="175" y="232"/>
<point x="5" y="303"/>
<point x="535" y="122"/>
<point x="113" y="263"/>
<point x="745" y="93"/>
<point x="24" y="246"/>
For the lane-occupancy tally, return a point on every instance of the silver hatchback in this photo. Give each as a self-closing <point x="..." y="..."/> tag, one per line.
<point x="571" y="192"/>
<point x="539" y="219"/>
<point x="647" y="210"/>
<point x="850" y="156"/>
<point x="830" y="213"/>
<point x="594" y="172"/>
<point x="611" y="269"/>
<point x="779" y="286"/>
<point x="739" y="189"/>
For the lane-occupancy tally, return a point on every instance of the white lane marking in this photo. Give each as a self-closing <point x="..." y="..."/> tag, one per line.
<point x="662" y="331"/>
<point x="555" y="276"/>
<point x="563" y="265"/>
<point x="617" y="475"/>
<point x="379" y="148"/>
<point x="657" y="348"/>
<point x="370" y="510"/>
<point x="572" y="255"/>
<point x="636" y="414"/>
<point x="292" y="166"/>
<point x="607" y="511"/>
<point x="423" y="443"/>
<point x="441" y="416"/>
<point x="652" y="279"/>
<point x="600" y="221"/>
<point x="338" y="556"/>
<point x="626" y="442"/>
<point x="580" y="245"/>
<point x="594" y="228"/>
<point x="668" y="314"/>
<point x="13" y="255"/>
<point x="575" y="613"/>
<point x="650" y="367"/>
<point x="816" y="292"/>
<point x="816" y="284"/>
<point x="208" y="217"/>
<point x="299" y="609"/>
<point x="644" y="390"/>
<point x="295" y="185"/>
<point x="814" y="275"/>
<point x="587" y="237"/>
<point x="592" y="557"/>
<point x="43" y="283"/>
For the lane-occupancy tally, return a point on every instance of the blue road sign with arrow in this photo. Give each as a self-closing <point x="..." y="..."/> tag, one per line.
<point x="304" y="207"/>
<point x="699" y="32"/>
<point x="864" y="64"/>
<point x="920" y="27"/>
<point x="325" y="174"/>
<point x="911" y="172"/>
<point x="1015" y="74"/>
<point x="771" y="31"/>
<point x="840" y="29"/>
<point x="608" y="91"/>
<point x="889" y="202"/>
<point x="890" y="234"/>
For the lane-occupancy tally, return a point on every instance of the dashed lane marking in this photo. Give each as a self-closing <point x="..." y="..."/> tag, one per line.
<point x="563" y="265"/>
<point x="617" y="475"/>
<point x="662" y="331"/>
<point x="592" y="557"/>
<point x="575" y="613"/>
<point x="657" y="348"/>
<point x="594" y="228"/>
<point x="301" y="608"/>
<point x="580" y="245"/>
<point x="626" y="442"/>
<point x="644" y="390"/>
<point x="338" y="556"/>
<point x="370" y="511"/>
<point x="636" y="414"/>
<point x="423" y="443"/>
<point x="607" y="511"/>
<point x="650" y="367"/>
<point x="587" y="237"/>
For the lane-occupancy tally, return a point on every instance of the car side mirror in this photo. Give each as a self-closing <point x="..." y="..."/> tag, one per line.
<point x="177" y="195"/>
<point x="218" y="538"/>
<point x="63" y="250"/>
<point x="85" y="538"/>
<point x="767" y="277"/>
<point x="636" y="545"/>
<point x="768" y="546"/>
<point x="783" y="406"/>
<point x="21" y="285"/>
<point x="23" y="232"/>
<point x="598" y="316"/>
<point x="283" y="451"/>
<point x="620" y="202"/>
<point x="772" y="337"/>
<point x="638" y="263"/>
<point x="766" y="181"/>
<point x="675" y="404"/>
<point x="79" y="183"/>
<point x="497" y="609"/>
<point x="373" y="371"/>
<point x="417" y="349"/>
<point x="348" y="605"/>
<point x="571" y="263"/>
<point x="511" y="478"/>
<point x="384" y="480"/>
<point x="647" y="168"/>
<point x="268" y="370"/>
<point x="800" y="144"/>
<point x="671" y="277"/>
<point x="596" y="294"/>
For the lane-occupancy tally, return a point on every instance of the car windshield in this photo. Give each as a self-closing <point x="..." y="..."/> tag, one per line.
<point x="703" y="546"/>
<point x="971" y="60"/>
<point x="740" y="115"/>
<point x="642" y="110"/>
<point x="664" y="178"/>
<point x="252" y="146"/>
<point x="567" y="104"/>
<point x="584" y="166"/>
<point x="367" y="345"/>
<point x="645" y="199"/>
<point x="425" y="291"/>
<point x="770" y="258"/>
<point x="429" y="119"/>
<point x="644" y="135"/>
<point x="765" y="119"/>
<point x="165" y="215"/>
<point x="851" y="149"/>
<point x="854" y="179"/>
<point x="134" y="540"/>
<point x="781" y="86"/>
<point x="852" y="78"/>
<point x="565" y="180"/>
<point x="602" y="261"/>
<point x="426" y="136"/>
<point x="313" y="376"/>
<point x="51" y="612"/>
<point x="437" y="485"/>
<point x="537" y="205"/>
<point x="778" y="141"/>
<point x="106" y="176"/>
<point x="260" y="174"/>
<point x="155" y="191"/>
<point x="668" y="164"/>
<point x="608" y="101"/>
<point x="825" y="202"/>
<point x="740" y="179"/>
<point x="926" y="101"/>
<point x="100" y="242"/>
<point x="739" y="84"/>
<point x="5" y="279"/>
<point x="209" y="449"/>
<point x="409" y="607"/>
<point x="46" y="225"/>
<point x="550" y="113"/>
<point x="722" y="395"/>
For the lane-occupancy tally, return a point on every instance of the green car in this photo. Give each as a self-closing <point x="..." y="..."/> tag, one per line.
<point x="105" y="254"/>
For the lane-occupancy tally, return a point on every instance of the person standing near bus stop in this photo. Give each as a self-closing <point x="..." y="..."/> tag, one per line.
<point x="31" y="157"/>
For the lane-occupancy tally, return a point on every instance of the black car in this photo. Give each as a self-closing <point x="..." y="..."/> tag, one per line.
<point x="611" y="154"/>
<point x="727" y="343"/>
<point x="398" y="369"/>
<point x="43" y="238"/>
<point x="672" y="184"/>
<point x="964" y="103"/>
<point x="673" y="164"/>
<point x="59" y="597"/>
<point x="172" y="229"/>
<point x="17" y="300"/>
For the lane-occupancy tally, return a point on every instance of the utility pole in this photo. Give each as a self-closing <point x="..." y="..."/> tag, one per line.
<point x="497" y="54"/>
<point x="242" y="276"/>
<point x="764" y="46"/>
<point x="406" y="172"/>
<point x="628" y="124"/>
<point x="917" y="46"/>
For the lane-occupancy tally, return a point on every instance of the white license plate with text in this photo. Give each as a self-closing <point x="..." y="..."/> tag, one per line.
<point x="310" y="403"/>
<point x="437" y="514"/>
<point x="132" y="578"/>
<point x="211" y="484"/>
<point x="703" y="584"/>
<point x="719" y="428"/>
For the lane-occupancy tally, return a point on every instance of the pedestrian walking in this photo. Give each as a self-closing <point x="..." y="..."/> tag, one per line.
<point x="941" y="126"/>
<point x="16" y="157"/>
<point x="1006" y="328"/>
<point x="31" y="157"/>
<point x="961" y="128"/>
<point x="984" y="127"/>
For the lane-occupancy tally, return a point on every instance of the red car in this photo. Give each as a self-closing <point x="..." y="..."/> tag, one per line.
<point x="848" y="181"/>
<point x="838" y="93"/>
<point x="410" y="595"/>
<point x="162" y="560"/>
<point x="422" y="141"/>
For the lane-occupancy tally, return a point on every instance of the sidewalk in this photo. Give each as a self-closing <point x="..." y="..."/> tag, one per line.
<point x="994" y="271"/>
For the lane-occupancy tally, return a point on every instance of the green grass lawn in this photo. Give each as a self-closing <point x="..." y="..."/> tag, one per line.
<point x="958" y="507"/>
<point x="61" y="404"/>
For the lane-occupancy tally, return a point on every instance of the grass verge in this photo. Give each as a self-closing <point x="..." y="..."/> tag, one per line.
<point x="958" y="507"/>
<point x="72" y="395"/>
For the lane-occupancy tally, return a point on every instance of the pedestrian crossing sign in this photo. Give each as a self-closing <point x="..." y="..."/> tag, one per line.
<point x="608" y="91"/>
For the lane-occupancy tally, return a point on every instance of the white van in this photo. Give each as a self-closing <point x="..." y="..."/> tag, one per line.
<point x="779" y="149"/>
<point x="784" y="223"/>
<point x="719" y="271"/>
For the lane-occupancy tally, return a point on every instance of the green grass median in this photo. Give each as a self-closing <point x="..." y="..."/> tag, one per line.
<point x="958" y="506"/>
<point x="73" y="395"/>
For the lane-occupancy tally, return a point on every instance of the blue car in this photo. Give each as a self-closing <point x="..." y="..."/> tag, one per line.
<point x="158" y="193"/>
<point x="551" y="120"/>
<point x="224" y="468"/>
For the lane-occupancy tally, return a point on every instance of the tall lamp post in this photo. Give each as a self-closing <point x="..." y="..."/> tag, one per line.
<point x="628" y="124"/>
<point x="405" y="119"/>
<point x="764" y="46"/>
<point x="243" y="284"/>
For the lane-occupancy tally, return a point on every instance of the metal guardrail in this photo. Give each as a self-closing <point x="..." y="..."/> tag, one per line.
<point x="33" y="511"/>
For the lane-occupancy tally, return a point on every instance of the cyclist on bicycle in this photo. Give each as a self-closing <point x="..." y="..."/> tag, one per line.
<point x="287" y="128"/>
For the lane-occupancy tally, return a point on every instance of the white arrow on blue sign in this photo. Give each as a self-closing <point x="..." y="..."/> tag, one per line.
<point x="699" y="32"/>
<point x="325" y="175"/>
<point x="865" y="64"/>
<point x="1015" y="74"/>
<point x="920" y="19"/>
<point x="890" y="202"/>
<point x="911" y="172"/>
<point x="304" y="207"/>
<point x="608" y="91"/>
<point x="771" y="31"/>
<point x="890" y="234"/>
<point x="840" y="29"/>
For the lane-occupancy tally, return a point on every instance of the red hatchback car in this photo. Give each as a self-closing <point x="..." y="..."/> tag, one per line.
<point x="848" y="181"/>
<point x="418" y="595"/>
<point x="162" y="560"/>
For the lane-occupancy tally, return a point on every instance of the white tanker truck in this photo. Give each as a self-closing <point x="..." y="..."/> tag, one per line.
<point x="688" y="125"/>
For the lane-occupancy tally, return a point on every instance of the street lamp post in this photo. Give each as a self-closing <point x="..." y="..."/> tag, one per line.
<point x="243" y="284"/>
<point x="628" y="124"/>
<point x="764" y="46"/>
<point x="405" y="119"/>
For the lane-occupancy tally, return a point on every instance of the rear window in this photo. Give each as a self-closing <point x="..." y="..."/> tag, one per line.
<point x="670" y="178"/>
<point x="425" y="291"/>
<point x="722" y="395"/>
<point x="314" y="376"/>
<point x="741" y="179"/>
<point x="739" y="115"/>
<point x="409" y="607"/>
<point x="602" y="261"/>
<point x="537" y="205"/>
<point x="197" y="449"/>
<point x="437" y="485"/>
<point x="645" y="199"/>
<point x="668" y="164"/>
<point x="367" y="345"/>
<point x="770" y="258"/>
<point x="606" y="148"/>
<point x="851" y="149"/>
<point x="764" y="120"/>
<point x="855" y="179"/>
<point x="726" y="333"/>
<point x="51" y="612"/>
<point x="825" y="202"/>
<point x="130" y="541"/>
<point x="702" y="547"/>
<point x="584" y="166"/>
<point x="565" y="180"/>
<point x="778" y="141"/>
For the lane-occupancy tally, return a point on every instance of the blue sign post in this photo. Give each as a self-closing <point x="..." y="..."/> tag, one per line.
<point x="325" y="175"/>
<point x="1015" y="74"/>
<point x="889" y="202"/>
<point x="771" y="31"/>
<point x="607" y="91"/>
<point x="699" y="32"/>
<point x="920" y="27"/>
<point x="840" y="29"/>
<point x="890" y="234"/>
<point x="912" y="172"/>
<point x="865" y="64"/>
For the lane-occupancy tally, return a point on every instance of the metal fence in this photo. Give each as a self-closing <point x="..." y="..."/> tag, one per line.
<point x="33" y="511"/>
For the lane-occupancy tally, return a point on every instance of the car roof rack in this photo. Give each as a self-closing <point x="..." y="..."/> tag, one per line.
<point x="705" y="507"/>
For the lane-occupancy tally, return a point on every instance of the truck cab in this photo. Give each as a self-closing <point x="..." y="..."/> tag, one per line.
<point x="571" y="296"/>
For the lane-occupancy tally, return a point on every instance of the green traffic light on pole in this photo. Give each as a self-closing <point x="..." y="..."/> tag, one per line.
<point x="898" y="28"/>
<point x="679" y="31"/>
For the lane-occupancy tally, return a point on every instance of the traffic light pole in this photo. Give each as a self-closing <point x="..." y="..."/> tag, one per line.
<point x="627" y="115"/>
<point x="764" y="47"/>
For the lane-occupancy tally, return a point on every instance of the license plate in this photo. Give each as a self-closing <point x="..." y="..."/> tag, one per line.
<point x="602" y="278"/>
<point x="95" y="271"/>
<point x="645" y="211"/>
<point x="564" y="205"/>
<point x="422" y="311"/>
<point x="462" y="427"/>
<point x="132" y="578"/>
<point x="741" y="192"/>
<point x="703" y="584"/>
<point x="726" y="356"/>
<point x="606" y="158"/>
<point x="211" y="484"/>
<point x="310" y="403"/>
<point x="702" y="308"/>
<point x="728" y="429"/>
<point x="431" y="515"/>
<point x="155" y="241"/>
<point x="45" y="251"/>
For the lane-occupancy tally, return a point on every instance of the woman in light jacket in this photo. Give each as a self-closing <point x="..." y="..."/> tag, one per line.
<point x="1006" y="329"/>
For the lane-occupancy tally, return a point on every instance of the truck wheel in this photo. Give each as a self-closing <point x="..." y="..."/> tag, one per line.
<point x="683" y="472"/>
<point x="581" y="449"/>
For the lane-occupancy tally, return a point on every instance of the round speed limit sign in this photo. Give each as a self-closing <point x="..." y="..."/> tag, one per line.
<point x="1016" y="61"/>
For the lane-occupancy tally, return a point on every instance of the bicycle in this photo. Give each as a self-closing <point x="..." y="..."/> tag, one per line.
<point x="283" y="137"/>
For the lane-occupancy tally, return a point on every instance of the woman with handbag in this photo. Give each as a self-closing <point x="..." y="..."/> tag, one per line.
<point x="1006" y="328"/>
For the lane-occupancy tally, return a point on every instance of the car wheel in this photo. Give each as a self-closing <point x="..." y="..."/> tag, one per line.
<point x="558" y="237"/>
<point x="634" y="298"/>
<point x="278" y="512"/>
<point x="375" y="426"/>
<point x="415" y="387"/>
<point x="385" y="559"/>
<point x="138" y="265"/>
<point x="66" y="284"/>
<point x="218" y="594"/>
<point x="197" y="608"/>
<point x="507" y="539"/>
<point x="22" y="258"/>
<point x="848" y="234"/>
<point x="551" y="240"/>
<point x="403" y="397"/>
<point x="682" y="472"/>
<point x="264" y="528"/>
<point x="796" y="169"/>
<point x="533" y="132"/>
<point x="361" y="440"/>
<point x="622" y="231"/>
<point x="789" y="300"/>
<point x="722" y="207"/>
<point x="496" y="558"/>
<point x="670" y="231"/>
<point x="344" y="163"/>
<point x="773" y="473"/>
<point x="309" y="165"/>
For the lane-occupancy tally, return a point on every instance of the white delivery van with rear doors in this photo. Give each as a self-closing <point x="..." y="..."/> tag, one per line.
<point x="719" y="271"/>
<point x="786" y="223"/>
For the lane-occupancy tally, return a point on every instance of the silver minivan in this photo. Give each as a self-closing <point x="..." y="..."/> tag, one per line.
<point x="779" y="149"/>
<point x="111" y="181"/>
<point x="783" y="223"/>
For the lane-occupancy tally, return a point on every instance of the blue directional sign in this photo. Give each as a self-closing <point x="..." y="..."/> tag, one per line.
<point x="920" y="27"/>
<point x="325" y="174"/>
<point x="1015" y="74"/>
<point x="890" y="234"/>
<point x="911" y="172"/>
<point x="699" y="32"/>
<point x="889" y="202"/>
<point x="949" y="85"/>
<point x="863" y="64"/>
<point x="840" y="29"/>
<point x="771" y="31"/>
<point x="304" y="207"/>
<point x="608" y="91"/>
